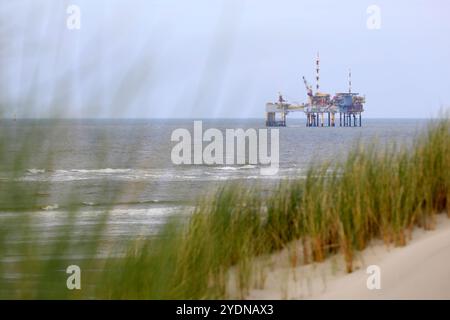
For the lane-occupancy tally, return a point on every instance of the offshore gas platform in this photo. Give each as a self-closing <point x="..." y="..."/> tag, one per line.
<point x="321" y="109"/>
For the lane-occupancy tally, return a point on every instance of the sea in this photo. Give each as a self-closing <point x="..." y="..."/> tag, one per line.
<point x="125" y="166"/>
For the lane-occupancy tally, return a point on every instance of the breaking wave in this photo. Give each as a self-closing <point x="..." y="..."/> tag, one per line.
<point x="178" y="174"/>
<point x="35" y="171"/>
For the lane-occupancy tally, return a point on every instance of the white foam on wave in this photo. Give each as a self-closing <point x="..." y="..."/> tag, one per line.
<point x="248" y="166"/>
<point x="158" y="174"/>
<point x="35" y="171"/>
<point x="62" y="175"/>
<point x="116" y="216"/>
<point x="50" y="207"/>
<point x="95" y="171"/>
<point x="227" y="168"/>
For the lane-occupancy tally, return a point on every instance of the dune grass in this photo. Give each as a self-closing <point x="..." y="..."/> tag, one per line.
<point x="337" y="209"/>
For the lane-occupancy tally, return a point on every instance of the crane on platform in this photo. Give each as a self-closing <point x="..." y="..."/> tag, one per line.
<point x="308" y="87"/>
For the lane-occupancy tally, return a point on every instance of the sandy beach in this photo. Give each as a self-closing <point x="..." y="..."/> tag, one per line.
<point x="420" y="270"/>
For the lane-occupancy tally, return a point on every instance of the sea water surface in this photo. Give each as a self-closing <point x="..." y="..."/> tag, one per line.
<point x="125" y="167"/>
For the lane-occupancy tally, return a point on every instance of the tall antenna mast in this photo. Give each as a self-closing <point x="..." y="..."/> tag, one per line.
<point x="317" y="72"/>
<point x="349" y="80"/>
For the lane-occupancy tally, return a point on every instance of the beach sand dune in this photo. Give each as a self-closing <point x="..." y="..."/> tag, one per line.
<point x="420" y="270"/>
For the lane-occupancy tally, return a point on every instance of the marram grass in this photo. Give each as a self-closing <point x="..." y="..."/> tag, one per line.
<point x="339" y="208"/>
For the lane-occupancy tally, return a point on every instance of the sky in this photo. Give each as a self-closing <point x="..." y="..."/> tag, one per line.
<point x="219" y="58"/>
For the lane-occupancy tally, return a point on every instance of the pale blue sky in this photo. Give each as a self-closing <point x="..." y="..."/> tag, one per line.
<point x="214" y="58"/>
